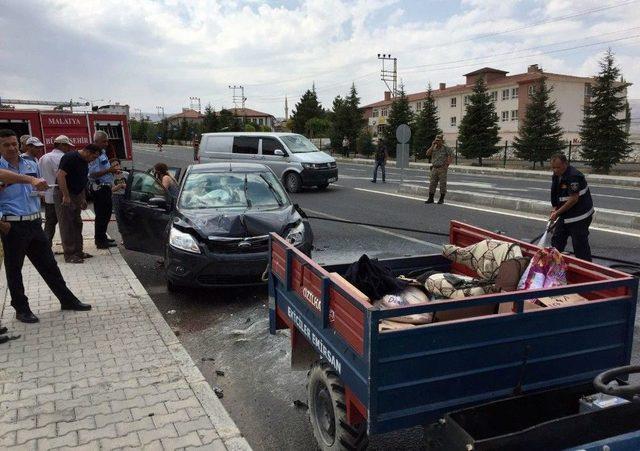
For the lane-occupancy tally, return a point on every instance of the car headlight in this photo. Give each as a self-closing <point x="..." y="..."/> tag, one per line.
<point x="312" y="165"/>
<point x="183" y="241"/>
<point x="295" y="235"/>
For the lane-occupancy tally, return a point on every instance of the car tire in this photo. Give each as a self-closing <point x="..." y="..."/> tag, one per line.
<point x="292" y="182"/>
<point x="323" y="186"/>
<point x="328" y="412"/>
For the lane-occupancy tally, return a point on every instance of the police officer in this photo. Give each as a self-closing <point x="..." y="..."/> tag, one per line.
<point x="24" y="235"/>
<point x="572" y="207"/>
<point x="101" y="176"/>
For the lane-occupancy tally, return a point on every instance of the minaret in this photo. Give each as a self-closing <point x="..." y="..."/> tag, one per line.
<point x="286" y="109"/>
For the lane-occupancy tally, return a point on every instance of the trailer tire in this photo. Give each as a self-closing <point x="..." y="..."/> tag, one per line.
<point x="328" y="411"/>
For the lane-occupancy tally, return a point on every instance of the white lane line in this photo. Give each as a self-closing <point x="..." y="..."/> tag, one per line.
<point x="504" y="213"/>
<point x="376" y="229"/>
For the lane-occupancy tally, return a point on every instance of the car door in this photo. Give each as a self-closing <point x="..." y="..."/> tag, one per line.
<point x="277" y="163"/>
<point x="144" y="214"/>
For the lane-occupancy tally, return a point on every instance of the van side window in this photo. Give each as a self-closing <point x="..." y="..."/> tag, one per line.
<point x="245" y="144"/>
<point x="269" y="145"/>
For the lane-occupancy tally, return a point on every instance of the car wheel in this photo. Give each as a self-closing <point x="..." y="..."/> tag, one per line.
<point x="292" y="182"/>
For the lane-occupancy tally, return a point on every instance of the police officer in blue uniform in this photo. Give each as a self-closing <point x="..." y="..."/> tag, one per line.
<point x="20" y="207"/>
<point x="101" y="176"/>
<point x="572" y="208"/>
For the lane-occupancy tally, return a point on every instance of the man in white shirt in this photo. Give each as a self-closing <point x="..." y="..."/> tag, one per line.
<point x="48" y="166"/>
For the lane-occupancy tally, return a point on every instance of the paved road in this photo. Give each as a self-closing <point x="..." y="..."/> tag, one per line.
<point x="227" y="329"/>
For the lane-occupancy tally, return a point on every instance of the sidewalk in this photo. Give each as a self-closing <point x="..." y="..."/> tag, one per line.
<point x="612" y="180"/>
<point x="113" y="377"/>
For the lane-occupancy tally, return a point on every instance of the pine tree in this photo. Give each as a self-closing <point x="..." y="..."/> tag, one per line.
<point x="426" y="125"/>
<point x="307" y="108"/>
<point x="605" y="140"/>
<point x="400" y="114"/>
<point x="210" y="121"/>
<point x="540" y="135"/>
<point x="338" y="118"/>
<point x="355" y="122"/>
<point x="478" y="132"/>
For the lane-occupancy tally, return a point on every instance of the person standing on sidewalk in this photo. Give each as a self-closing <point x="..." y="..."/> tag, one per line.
<point x="48" y="166"/>
<point x="345" y="147"/>
<point x="70" y="200"/>
<point x="382" y="154"/>
<point x="118" y="188"/>
<point x="101" y="177"/>
<point x="441" y="158"/>
<point x="33" y="149"/>
<point x="572" y="208"/>
<point x="24" y="235"/>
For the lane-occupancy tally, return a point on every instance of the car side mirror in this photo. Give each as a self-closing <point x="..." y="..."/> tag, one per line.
<point x="159" y="202"/>
<point x="279" y="153"/>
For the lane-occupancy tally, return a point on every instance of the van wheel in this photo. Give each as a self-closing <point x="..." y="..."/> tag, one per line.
<point x="292" y="182"/>
<point x="323" y="186"/>
<point x="328" y="411"/>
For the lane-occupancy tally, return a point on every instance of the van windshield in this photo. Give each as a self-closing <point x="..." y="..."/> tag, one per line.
<point x="299" y="144"/>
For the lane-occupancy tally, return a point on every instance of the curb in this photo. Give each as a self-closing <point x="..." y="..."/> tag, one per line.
<point x="603" y="216"/>
<point x="224" y="424"/>
<point x="612" y="180"/>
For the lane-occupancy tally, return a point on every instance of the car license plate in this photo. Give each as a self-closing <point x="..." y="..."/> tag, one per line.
<point x="333" y="179"/>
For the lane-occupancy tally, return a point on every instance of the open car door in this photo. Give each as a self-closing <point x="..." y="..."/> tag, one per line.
<point x="144" y="213"/>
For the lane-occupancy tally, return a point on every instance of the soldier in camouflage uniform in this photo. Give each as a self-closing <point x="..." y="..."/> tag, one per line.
<point x="441" y="158"/>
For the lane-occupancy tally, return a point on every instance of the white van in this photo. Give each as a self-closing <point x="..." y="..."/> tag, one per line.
<point x="293" y="158"/>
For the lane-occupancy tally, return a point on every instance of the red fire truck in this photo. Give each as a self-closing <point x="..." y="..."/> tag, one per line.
<point x="79" y="127"/>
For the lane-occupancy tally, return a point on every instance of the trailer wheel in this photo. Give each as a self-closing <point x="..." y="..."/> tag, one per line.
<point x="328" y="411"/>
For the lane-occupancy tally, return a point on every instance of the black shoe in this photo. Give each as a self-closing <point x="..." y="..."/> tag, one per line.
<point x="373" y="181"/>
<point x="27" y="316"/>
<point x="111" y="240"/>
<point x="3" y="330"/>
<point x="430" y="200"/>
<point x="75" y="305"/>
<point x="441" y="200"/>
<point x="106" y="245"/>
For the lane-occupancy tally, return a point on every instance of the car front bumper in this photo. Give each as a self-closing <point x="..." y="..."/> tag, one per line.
<point x="315" y="177"/>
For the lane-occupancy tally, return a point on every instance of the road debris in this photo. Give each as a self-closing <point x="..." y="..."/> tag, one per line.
<point x="300" y="405"/>
<point x="218" y="391"/>
<point x="219" y="373"/>
<point x="171" y="312"/>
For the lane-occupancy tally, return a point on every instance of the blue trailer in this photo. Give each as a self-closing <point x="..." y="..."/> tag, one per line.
<point x="366" y="381"/>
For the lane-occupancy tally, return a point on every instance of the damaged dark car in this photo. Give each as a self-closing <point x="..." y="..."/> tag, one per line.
<point x="216" y="233"/>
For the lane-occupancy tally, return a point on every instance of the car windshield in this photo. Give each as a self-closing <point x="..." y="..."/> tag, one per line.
<point x="299" y="144"/>
<point x="232" y="190"/>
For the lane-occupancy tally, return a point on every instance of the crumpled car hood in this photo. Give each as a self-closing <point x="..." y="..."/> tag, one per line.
<point x="243" y="223"/>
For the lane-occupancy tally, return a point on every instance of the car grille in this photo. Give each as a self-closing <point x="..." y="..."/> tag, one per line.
<point x="238" y="245"/>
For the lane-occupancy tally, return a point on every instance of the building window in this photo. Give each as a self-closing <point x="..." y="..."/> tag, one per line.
<point x="514" y="93"/>
<point x="494" y="96"/>
<point x="418" y="106"/>
<point x="454" y="121"/>
<point x="530" y="90"/>
<point x="384" y="112"/>
<point x="505" y="94"/>
<point x="380" y="129"/>
<point x="453" y="102"/>
<point x="375" y="113"/>
<point x="588" y="90"/>
<point x="505" y="116"/>
<point x="466" y="100"/>
<point x="514" y="115"/>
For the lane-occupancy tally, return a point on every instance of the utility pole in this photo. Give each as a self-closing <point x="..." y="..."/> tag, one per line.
<point x="195" y="101"/>
<point x="160" y="108"/>
<point x="239" y="98"/>
<point x="389" y="75"/>
<point x="286" y="108"/>
<point x="139" y="111"/>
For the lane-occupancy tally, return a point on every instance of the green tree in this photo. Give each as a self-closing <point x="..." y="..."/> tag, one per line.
<point x="228" y="122"/>
<point x="183" y="131"/>
<point x="400" y="113"/>
<point x="339" y="118"/>
<point x="317" y="127"/>
<point x="210" y="121"/>
<point x="249" y="127"/>
<point x="307" y="108"/>
<point x="355" y="122"/>
<point x="605" y="140"/>
<point x="478" y="132"/>
<point x="426" y="125"/>
<point x="365" y="144"/>
<point x="540" y="134"/>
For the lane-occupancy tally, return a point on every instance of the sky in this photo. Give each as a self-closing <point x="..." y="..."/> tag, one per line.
<point x="148" y="53"/>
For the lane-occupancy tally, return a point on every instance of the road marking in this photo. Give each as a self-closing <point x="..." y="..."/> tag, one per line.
<point x="504" y="213"/>
<point x="376" y="229"/>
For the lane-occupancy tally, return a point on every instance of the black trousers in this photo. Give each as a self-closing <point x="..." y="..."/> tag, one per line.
<point x="50" y="221"/>
<point x="379" y="164"/>
<point x="27" y="238"/>
<point x="579" y="233"/>
<point x="103" y="207"/>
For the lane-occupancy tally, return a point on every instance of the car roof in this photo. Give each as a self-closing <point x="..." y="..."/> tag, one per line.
<point x="228" y="167"/>
<point x="272" y="134"/>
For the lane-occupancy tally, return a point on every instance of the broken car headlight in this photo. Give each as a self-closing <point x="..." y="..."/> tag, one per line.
<point x="183" y="241"/>
<point x="295" y="235"/>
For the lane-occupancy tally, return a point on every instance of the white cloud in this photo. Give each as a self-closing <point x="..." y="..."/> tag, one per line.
<point x="150" y="52"/>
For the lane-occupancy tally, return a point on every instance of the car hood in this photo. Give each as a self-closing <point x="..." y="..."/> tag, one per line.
<point x="314" y="157"/>
<point x="243" y="223"/>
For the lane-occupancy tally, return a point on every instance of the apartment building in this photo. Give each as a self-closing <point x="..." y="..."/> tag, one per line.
<point x="510" y="94"/>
